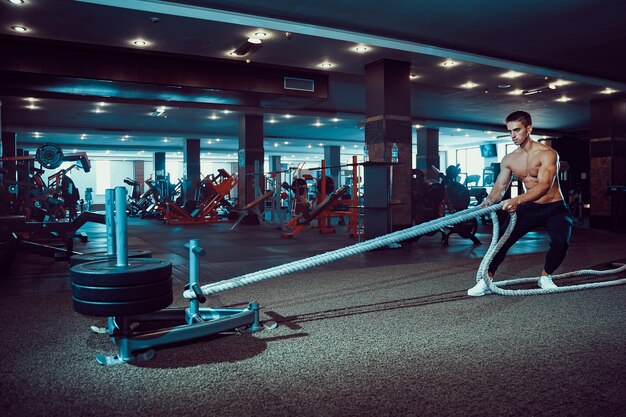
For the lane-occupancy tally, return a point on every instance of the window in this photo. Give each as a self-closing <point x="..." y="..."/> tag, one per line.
<point x="103" y="175"/>
<point x="471" y="161"/>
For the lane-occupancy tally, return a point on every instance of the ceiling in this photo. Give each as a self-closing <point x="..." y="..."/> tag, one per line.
<point x="572" y="43"/>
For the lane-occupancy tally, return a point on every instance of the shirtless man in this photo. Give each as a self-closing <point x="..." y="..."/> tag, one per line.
<point x="536" y="165"/>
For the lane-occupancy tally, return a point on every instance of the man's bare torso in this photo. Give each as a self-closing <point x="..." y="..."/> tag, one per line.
<point x="525" y="165"/>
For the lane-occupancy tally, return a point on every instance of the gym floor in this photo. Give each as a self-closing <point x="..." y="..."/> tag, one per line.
<point x="389" y="332"/>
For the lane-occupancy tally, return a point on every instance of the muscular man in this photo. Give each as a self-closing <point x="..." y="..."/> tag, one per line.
<point x="536" y="165"/>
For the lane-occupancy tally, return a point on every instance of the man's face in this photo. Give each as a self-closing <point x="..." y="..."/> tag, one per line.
<point x="519" y="132"/>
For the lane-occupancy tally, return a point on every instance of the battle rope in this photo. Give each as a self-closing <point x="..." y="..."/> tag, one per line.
<point x="495" y="286"/>
<point x="386" y="240"/>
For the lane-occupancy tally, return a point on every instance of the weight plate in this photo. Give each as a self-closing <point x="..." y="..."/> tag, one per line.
<point x="106" y="273"/>
<point x="127" y="308"/>
<point x="102" y="256"/>
<point x="49" y="156"/>
<point x="122" y="293"/>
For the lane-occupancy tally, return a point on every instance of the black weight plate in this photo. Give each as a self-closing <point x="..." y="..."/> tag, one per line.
<point x="105" y="273"/>
<point x="122" y="293"/>
<point x="128" y="308"/>
<point x="49" y="156"/>
<point x="101" y="256"/>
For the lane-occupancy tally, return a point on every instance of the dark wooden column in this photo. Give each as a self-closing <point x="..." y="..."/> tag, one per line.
<point x="607" y="151"/>
<point x="251" y="156"/>
<point x="428" y="151"/>
<point x="388" y="121"/>
<point x="191" y="167"/>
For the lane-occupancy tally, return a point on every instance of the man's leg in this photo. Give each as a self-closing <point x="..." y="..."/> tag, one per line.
<point x="525" y="222"/>
<point x="560" y="230"/>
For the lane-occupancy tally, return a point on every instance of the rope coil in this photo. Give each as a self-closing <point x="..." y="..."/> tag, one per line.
<point x="405" y="234"/>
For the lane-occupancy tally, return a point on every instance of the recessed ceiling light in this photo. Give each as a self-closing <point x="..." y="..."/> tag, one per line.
<point x="516" y="92"/>
<point x="361" y="49"/>
<point x="512" y="74"/>
<point x="448" y="63"/>
<point x="18" y="28"/>
<point x="504" y="86"/>
<point x="418" y="126"/>
<point x="413" y="77"/>
<point x="287" y="116"/>
<point x="213" y="117"/>
<point x="272" y="120"/>
<point x="276" y="144"/>
<point x="458" y="129"/>
<point x="608" y="91"/>
<point x="226" y="111"/>
<point x="469" y="84"/>
<point x="16" y="1"/>
<point x="286" y="142"/>
<point x="32" y="107"/>
<point x="318" y="124"/>
<point x="563" y="99"/>
<point x="334" y="119"/>
<point x="140" y="42"/>
<point x="254" y="41"/>
<point x="320" y="144"/>
<point x="326" y="65"/>
<point x="260" y="35"/>
<point x="309" y="146"/>
<point x="217" y="139"/>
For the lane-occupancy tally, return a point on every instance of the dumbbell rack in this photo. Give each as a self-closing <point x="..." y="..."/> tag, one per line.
<point x="136" y="346"/>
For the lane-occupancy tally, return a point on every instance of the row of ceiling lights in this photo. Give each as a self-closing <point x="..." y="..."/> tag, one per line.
<point x="254" y="42"/>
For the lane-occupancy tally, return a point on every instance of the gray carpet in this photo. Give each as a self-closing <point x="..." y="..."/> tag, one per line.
<point x="401" y="339"/>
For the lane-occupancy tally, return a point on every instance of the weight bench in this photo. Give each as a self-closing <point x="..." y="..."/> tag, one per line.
<point x="251" y="207"/>
<point x="298" y="223"/>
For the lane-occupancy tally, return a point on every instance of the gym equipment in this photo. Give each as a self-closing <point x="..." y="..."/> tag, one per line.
<point x="18" y="234"/>
<point x="139" y="291"/>
<point x="252" y="208"/>
<point x="50" y="156"/>
<point x="213" y="190"/>
<point x="346" y="207"/>
<point x="303" y="219"/>
<point x="111" y="252"/>
<point x="30" y="196"/>
<point x="432" y="199"/>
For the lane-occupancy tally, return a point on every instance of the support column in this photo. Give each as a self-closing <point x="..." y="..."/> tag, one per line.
<point x="428" y="151"/>
<point x="160" y="172"/>
<point x="388" y="121"/>
<point x="191" y="167"/>
<point x="9" y="178"/>
<point x="159" y="166"/>
<point x="139" y="174"/>
<point x="251" y="156"/>
<point x="607" y="151"/>
<point x="332" y="156"/>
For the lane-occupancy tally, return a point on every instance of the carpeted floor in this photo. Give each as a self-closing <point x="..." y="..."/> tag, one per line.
<point x="394" y="339"/>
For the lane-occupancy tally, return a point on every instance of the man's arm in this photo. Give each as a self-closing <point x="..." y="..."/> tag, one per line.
<point x="545" y="179"/>
<point x="501" y="184"/>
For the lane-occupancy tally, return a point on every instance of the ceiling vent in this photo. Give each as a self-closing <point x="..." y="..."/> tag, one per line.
<point x="299" y="84"/>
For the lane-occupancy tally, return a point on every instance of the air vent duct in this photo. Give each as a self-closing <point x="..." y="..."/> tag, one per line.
<point x="299" y="84"/>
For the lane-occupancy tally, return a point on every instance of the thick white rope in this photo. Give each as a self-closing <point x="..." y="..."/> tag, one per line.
<point x="386" y="240"/>
<point x="495" y="286"/>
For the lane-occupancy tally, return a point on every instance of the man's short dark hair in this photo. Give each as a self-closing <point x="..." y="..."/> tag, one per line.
<point x="519" y="116"/>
